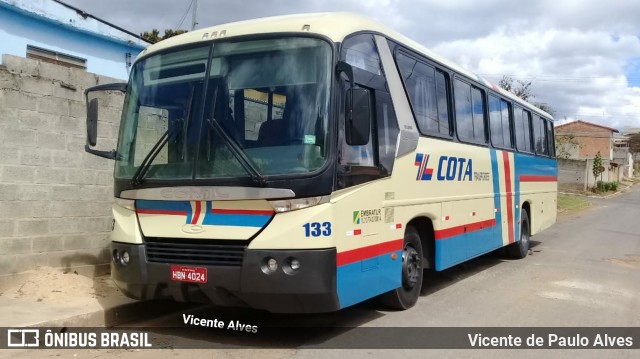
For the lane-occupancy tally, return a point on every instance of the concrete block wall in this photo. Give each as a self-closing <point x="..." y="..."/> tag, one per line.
<point x="55" y="199"/>
<point x="573" y="173"/>
<point x="579" y="173"/>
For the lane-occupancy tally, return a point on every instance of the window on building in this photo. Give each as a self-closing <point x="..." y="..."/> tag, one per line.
<point x="469" y="107"/>
<point x="54" y="57"/>
<point x="427" y="89"/>
<point x="499" y="122"/>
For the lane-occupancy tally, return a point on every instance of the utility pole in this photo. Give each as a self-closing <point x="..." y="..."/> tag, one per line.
<point x="194" y="15"/>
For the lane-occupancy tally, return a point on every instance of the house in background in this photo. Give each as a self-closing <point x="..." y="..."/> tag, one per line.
<point x="52" y="31"/>
<point x="575" y="156"/>
<point x="591" y="138"/>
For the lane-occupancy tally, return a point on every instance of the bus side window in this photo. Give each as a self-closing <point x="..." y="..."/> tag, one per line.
<point x="551" y="138"/>
<point x="540" y="136"/>
<point x="427" y="89"/>
<point x="469" y="106"/>
<point x="499" y="122"/>
<point x="387" y="125"/>
<point x="522" y="122"/>
<point x="361" y="52"/>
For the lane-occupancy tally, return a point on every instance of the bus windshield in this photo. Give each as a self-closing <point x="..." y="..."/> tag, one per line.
<point x="227" y="110"/>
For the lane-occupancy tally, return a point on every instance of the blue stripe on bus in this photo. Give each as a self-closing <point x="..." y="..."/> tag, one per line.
<point x="457" y="249"/>
<point x="362" y="280"/>
<point x="164" y="205"/>
<point x="237" y="220"/>
<point x="530" y="165"/>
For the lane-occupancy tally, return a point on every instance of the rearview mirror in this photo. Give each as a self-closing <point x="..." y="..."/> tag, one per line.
<point x="92" y="121"/>
<point x="358" y="116"/>
<point x="93" y="96"/>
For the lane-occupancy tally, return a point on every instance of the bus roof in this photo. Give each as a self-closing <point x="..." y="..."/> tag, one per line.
<point x="334" y="25"/>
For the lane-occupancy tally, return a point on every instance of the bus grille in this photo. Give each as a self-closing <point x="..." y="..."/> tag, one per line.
<point x="218" y="253"/>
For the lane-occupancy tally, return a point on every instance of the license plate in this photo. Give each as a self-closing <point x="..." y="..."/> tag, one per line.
<point x="189" y="274"/>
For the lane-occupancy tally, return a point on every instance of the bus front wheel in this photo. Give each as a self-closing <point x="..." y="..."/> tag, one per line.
<point x="407" y="295"/>
<point x="520" y="249"/>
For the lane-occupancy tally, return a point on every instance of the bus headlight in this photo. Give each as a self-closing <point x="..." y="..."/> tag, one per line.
<point x="291" y="266"/>
<point x="116" y="256"/>
<point x="269" y="265"/>
<point x="125" y="257"/>
<point x="288" y="205"/>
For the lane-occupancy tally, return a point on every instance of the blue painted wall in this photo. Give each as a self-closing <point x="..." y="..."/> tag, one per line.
<point x="104" y="56"/>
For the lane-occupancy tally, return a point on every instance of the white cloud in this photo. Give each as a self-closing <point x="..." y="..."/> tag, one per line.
<point x="576" y="53"/>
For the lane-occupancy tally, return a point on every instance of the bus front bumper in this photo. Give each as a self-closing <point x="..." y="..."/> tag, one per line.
<point x="310" y="289"/>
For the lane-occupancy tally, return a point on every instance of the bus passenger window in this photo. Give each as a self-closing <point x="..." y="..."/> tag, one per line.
<point x="499" y="122"/>
<point x="469" y="112"/>
<point x="478" y="115"/>
<point x="551" y="139"/>
<point x="540" y="136"/>
<point x="522" y="122"/>
<point x="427" y="89"/>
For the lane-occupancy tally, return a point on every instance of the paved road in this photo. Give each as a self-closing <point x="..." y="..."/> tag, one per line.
<point x="584" y="271"/>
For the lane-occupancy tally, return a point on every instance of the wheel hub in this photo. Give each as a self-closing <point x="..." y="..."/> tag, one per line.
<point x="411" y="265"/>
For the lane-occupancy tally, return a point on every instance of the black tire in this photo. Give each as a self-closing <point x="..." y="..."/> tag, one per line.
<point x="407" y="295"/>
<point x="520" y="249"/>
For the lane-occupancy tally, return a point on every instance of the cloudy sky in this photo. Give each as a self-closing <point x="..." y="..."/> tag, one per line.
<point x="582" y="57"/>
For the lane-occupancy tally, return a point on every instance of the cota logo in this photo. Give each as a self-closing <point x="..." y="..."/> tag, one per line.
<point x="449" y="168"/>
<point x="424" y="173"/>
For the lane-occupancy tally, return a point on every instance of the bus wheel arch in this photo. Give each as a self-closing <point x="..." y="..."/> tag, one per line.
<point x="520" y="248"/>
<point x="526" y="206"/>
<point x="424" y="226"/>
<point x="407" y="294"/>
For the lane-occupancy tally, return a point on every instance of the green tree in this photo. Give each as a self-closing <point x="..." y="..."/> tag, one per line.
<point x="597" y="168"/>
<point x="566" y="145"/>
<point x="522" y="89"/>
<point x="153" y="36"/>
<point x="519" y="88"/>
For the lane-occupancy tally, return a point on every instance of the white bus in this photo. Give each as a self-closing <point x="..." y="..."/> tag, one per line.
<point x="307" y="163"/>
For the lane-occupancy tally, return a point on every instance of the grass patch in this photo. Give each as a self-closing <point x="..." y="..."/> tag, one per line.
<point x="568" y="203"/>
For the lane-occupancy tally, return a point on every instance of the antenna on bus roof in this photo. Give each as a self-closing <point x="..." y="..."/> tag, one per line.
<point x="194" y="15"/>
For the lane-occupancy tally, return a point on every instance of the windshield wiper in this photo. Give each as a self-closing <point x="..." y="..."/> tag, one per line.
<point x="238" y="153"/>
<point x="151" y="156"/>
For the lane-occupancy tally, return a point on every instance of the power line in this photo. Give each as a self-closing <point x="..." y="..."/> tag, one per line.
<point x="184" y="16"/>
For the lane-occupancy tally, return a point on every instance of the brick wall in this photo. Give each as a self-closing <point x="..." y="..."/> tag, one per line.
<point x="592" y="139"/>
<point x="55" y="199"/>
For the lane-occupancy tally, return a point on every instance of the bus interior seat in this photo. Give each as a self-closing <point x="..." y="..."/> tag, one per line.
<point x="273" y="133"/>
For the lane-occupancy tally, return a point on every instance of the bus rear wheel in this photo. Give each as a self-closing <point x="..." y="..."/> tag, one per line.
<point x="520" y="249"/>
<point x="407" y="295"/>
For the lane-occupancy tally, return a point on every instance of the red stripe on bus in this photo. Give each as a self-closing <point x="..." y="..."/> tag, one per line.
<point x="243" y="211"/>
<point x="356" y="255"/>
<point x="466" y="228"/>
<point x="531" y="178"/>
<point x="161" y="211"/>
<point x="196" y="214"/>
<point x="510" y="205"/>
